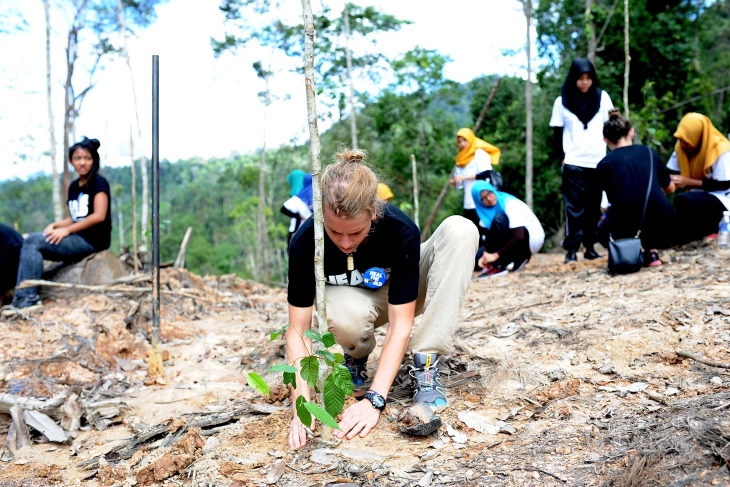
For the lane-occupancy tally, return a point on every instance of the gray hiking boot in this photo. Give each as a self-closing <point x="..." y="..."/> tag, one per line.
<point x="427" y="388"/>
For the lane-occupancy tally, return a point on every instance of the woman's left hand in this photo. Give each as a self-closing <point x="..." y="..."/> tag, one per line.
<point x="55" y="236"/>
<point x="487" y="259"/>
<point x="359" y="418"/>
<point x="679" y="181"/>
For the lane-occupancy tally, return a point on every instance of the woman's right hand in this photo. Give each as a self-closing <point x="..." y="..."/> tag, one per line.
<point x="51" y="227"/>
<point x="297" y="433"/>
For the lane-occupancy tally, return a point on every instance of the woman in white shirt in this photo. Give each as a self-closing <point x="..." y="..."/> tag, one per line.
<point x="701" y="165"/>
<point x="475" y="157"/>
<point x="578" y="117"/>
<point x="509" y="232"/>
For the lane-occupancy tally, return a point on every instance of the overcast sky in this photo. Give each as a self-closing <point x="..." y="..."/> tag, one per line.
<point x="209" y="107"/>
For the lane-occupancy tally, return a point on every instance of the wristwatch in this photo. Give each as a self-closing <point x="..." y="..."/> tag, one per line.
<point x="376" y="400"/>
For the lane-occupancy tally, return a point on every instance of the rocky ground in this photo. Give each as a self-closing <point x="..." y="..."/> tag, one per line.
<point x="562" y="375"/>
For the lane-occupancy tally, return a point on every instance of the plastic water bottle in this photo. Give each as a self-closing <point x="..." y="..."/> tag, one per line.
<point x="723" y="233"/>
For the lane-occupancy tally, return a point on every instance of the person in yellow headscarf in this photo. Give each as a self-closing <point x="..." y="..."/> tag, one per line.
<point x="474" y="159"/>
<point x="701" y="165"/>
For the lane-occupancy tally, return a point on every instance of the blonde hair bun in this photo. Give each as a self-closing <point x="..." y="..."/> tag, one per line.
<point x="350" y="186"/>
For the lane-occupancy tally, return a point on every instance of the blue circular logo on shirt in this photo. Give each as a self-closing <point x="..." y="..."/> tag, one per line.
<point x="375" y="278"/>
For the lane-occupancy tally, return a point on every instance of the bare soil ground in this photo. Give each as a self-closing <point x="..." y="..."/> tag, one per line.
<point x="562" y="375"/>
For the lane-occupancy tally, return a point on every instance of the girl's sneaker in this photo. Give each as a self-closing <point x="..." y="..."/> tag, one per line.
<point x="492" y="271"/>
<point x="652" y="259"/>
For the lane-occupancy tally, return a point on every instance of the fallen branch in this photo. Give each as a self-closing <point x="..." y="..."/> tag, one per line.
<point x="7" y="401"/>
<point x="702" y="360"/>
<point x="106" y="288"/>
<point x="180" y="261"/>
<point x="532" y="469"/>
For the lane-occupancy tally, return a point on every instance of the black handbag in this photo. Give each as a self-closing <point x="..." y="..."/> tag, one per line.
<point x="625" y="255"/>
<point x="494" y="177"/>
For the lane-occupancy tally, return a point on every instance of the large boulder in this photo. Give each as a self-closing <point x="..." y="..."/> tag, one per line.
<point x="99" y="268"/>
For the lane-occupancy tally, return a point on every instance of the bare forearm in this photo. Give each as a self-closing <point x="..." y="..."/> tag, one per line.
<point x="63" y="223"/>
<point x="394" y="348"/>
<point x="694" y="183"/>
<point x="87" y="222"/>
<point x="298" y="347"/>
<point x="389" y="363"/>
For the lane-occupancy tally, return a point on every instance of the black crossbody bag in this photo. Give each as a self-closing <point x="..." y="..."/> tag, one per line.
<point x="625" y="255"/>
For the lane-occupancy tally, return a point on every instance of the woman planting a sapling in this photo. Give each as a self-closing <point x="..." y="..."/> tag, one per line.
<point x="377" y="273"/>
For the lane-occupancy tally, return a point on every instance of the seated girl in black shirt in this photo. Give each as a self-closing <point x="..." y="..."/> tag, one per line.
<point x="86" y="231"/>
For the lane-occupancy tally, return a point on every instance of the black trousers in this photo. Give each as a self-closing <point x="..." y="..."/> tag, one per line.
<point x="698" y="213"/>
<point x="496" y="238"/>
<point x="657" y="232"/>
<point x="582" y="197"/>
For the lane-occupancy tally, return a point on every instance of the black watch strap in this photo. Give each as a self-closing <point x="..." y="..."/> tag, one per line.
<point x="376" y="400"/>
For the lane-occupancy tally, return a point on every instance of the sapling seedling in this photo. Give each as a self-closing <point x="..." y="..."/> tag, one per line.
<point x="337" y="381"/>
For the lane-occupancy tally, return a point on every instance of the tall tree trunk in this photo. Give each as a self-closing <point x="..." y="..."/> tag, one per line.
<point x="134" y="199"/>
<point x="627" y="58"/>
<point x="262" y="243"/>
<point x="69" y="103"/>
<point x="528" y="108"/>
<point x="57" y="199"/>
<point x="314" y="154"/>
<point x="590" y="30"/>
<point x="351" y="98"/>
<point x="120" y="223"/>
<point x="143" y="157"/>
<point x="414" y="174"/>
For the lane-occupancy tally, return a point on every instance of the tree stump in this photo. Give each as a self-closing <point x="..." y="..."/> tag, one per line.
<point x="99" y="268"/>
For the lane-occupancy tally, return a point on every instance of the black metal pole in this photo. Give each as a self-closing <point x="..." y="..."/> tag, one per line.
<point x="155" y="202"/>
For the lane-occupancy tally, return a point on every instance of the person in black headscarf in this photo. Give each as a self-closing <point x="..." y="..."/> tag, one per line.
<point x="578" y="117"/>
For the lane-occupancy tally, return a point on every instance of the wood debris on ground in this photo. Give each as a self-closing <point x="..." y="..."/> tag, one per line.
<point x="561" y="375"/>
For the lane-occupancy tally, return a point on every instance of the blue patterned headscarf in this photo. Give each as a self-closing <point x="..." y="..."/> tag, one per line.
<point x="306" y="192"/>
<point x="487" y="214"/>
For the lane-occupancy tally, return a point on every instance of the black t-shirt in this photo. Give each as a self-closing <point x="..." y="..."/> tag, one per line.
<point x="81" y="205"/>
<point x="624" y="175"/>
<point x="393" y="244"/>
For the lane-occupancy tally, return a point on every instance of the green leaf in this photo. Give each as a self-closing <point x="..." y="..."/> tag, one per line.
<point x="310" y="370"/>
<point x="258" y="383"/>
<point x="339" y="358"/>
<point x="325" y="354"/>
<point x="334" y="397"/>
<point x="313" y="335"/>
<point x="328" y="339"/>
<point x="303" y="412"/>
<point x="321" y="415"/>
<point x="342" y="378"/>
<point x="278" y="332"/>
<point x="283" y="368"/>
<point x="290" y="379"/>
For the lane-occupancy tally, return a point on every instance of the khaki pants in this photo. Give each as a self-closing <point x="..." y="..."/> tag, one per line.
<point x="447" y="260"/>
